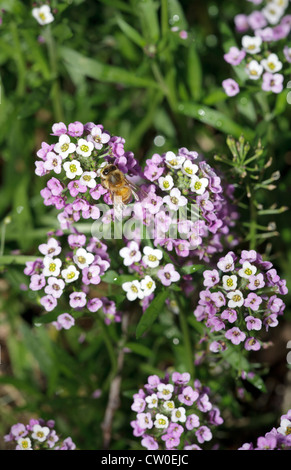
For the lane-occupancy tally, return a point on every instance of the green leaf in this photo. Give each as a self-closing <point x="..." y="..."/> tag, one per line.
<point x="147" y="11"/>
<point x="257" y="382"/>
<point x="105" y="73"/>
<point x="151" y="313"/>
<point x="176" y="14"/>
<point x="190" y="269"/>
<point x="139" y="349"/>
<point x="112" y="277"/>
<point x="215" y="119"/>
<point x="194" y="73"/>
<point x="131" y="33"/>
<point x="16" y="259"/>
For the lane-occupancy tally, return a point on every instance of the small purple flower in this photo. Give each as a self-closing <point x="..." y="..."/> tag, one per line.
<point x="188" y="396"/>
<point x="203" y="434"/>
<point x="37" y="282"/>
<point x="211" y="278"/>
<point x="94" y="304"/>
<point x="149" y="442"/>
<point x="231" y="87"/>
<point x="54" y="287"/>
<point x="180" y="379"/>
<point x="253" y="323"/>
<point x="273" y="82"/>
<point x="241" y="23"/>
<point x="65" y="320"/>
<point x="145" y="420"/>
<point x="252" y="344"/>
<point x="256" y="281"/>
<point x="75" y="129"/>
<point x="192" y="422"/>
<point x="91" y="275"/>
<point x="267" y="443"/>
<point x="77" y="299"/>
<point x="257" y="20"/>
<point x="253" y="301"/>
<point x="59" y="128"/>
<point x="53" y="162"/>
<point x="55" y="186"/>
<point x="168" y="274"/>
<point x="75" y="187"/>
<point x="275" y="304"/>
<point x="229" y="314"/>
<point x="48" y="302"/>
<point x="235" y="335"/>
<point x="234" y="56"/>
<point x="287" y="53"/>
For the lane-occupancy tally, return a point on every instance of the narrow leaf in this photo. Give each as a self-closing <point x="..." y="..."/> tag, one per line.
<point x="151" y="313"/>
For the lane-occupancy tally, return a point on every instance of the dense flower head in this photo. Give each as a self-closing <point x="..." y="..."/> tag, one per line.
<point x="191" y="197"/>
<point x="38" y="435"/>
<point x="67" y="275"/>
<point x="73" y="163"/>
<point x="240" y="299"/>
<point x="261" y="52"/>
<point x="277" y="439"/>
<point x="174" y="413"/>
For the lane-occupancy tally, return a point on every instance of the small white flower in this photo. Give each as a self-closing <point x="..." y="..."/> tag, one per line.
<point x="229" y="282"/>
<point x="148" y="285"/>
<point x="88" y="179"/>
<point x="83" y="258"/>
<point x="130" y="253"/>
<point x="133" y="290"/>
<point x="166" y="183"/>
<point x="152" y="256"/>
<point x="40" y="433"/>
<point x="43" y="14"/>
<point x="64" y="146"/>
<point x="273" y="12"/>
<point x="189" y="168"/>
<point x="272" y="64"/>
<point x="24" y="443"/>
<point x="100" y="138"/>
<point x="169" y="405"/>
<point x="251" y="44"/>
<point x="174" y="161"/>
<point x="152" y="400"/>
<point x="70" y="274"/>
<point x="236" y="299"/>
<point x="52" y="266"/>
<point x="72" y="169"/>
<point x="51" y="248"/>
<point x="84" y="147"/>
<point x="281" y="3"/>
<point x="175" y="199"/>
<point x="165" y="391"/>
<point x="247" y="270"/>
<point x="285" y="427"/>
<point x="198" y="185"/>
<point x="178" y="415"/>
<point x="254" y="70"/>
<point x="161" y="421"/>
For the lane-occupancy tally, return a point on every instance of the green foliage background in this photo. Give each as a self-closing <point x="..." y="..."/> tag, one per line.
<point x="118" y="63"/>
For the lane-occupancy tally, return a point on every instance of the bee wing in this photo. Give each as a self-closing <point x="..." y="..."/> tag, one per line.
<point x="137" y="192"/>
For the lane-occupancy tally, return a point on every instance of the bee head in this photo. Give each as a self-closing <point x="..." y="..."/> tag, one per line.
<point x="108" y="169"/>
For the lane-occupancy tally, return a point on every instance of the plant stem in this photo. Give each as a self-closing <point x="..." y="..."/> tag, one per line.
<point x="55" y="89"/>
<point x="253" y="221"/>
<point x="186" y="338"/>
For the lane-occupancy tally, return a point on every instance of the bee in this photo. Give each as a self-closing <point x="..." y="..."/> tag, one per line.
<point x="121" y="190"/>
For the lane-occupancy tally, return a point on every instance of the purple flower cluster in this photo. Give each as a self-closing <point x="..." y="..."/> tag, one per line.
<point x="239" y="300"/>
<point x="276" y="439"/>
<point x="197" y="200"/>
<point x="38" y="435"/>
<point x="260" y="52"/>
<point x="68" y="272"/>
<point x="73" y="163"/>
<point x="171" y="414"/>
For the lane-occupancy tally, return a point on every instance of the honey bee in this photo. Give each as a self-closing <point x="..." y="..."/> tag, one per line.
<point x="121" y="190"/>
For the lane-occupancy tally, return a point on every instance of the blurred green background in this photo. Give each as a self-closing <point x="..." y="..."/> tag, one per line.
<point x="118" y="63"/>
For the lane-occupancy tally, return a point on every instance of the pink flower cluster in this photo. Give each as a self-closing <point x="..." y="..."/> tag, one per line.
<point x="276" y="439"/>
<point x="173" y="414"/>
<point x="38" y="435"/>
<point x="261" y="56"/>
<point x="73" y="162"/>
<point x="68" y="272"/>
<point x="197" y="200"/>
<point x="241" y="297"/>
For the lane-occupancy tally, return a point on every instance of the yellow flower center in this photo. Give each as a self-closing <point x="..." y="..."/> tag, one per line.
<point x="162" y="421"/>
<point x="271" y="65"/>
<point x="248" y="271"/>
<point x="52" y="267"/>
<point x="64" y="147"/>
<point x="174" y="200"/>
<point x="149" y="284"/>
<point x="40" y="434"/>
<point x="87" y="178"/>
<point x="152" y="258"/>
<point x="166" y="184"/>
<point x="71" y="275"/>
<point x="24" y="444"/>
<point x="229" y="282"/>
<point x="42" y="16"/>
<point x="134" y="288"/>
<point x="81" y="259"/>
<point x="84" y="148"/>
<point x="236" y="298"/>
<point x="73" y="168"/>
<point x="197" y="185"/>
<point x="178" y="414"/>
